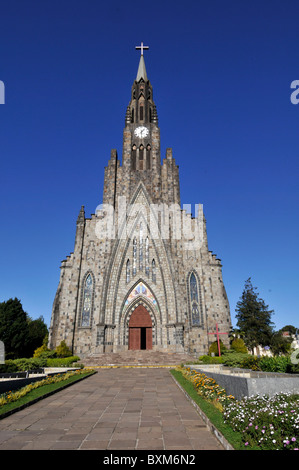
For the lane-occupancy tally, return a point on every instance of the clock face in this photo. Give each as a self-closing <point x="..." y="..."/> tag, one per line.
<point x="141" y="132"/>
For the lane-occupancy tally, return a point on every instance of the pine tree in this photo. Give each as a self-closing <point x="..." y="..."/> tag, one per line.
<point x="254" y="318"/>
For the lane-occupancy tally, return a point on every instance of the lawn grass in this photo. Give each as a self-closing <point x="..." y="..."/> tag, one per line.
<point x="39" y="393"/>
<point x="213" y="414"/>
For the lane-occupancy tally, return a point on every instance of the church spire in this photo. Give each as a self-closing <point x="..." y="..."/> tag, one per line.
<point x="141" y="143"/>
<point x="141" y="69"/>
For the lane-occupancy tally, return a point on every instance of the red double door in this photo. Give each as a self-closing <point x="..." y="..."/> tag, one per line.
<point x="140" y="329"/>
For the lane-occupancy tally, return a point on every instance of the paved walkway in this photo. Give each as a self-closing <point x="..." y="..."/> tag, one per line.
<point x="137" y="408"/>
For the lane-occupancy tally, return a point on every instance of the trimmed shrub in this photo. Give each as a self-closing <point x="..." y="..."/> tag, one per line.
<point x="234" y="359"/>
<point x="43" y="351"/>
<point x="214" y="348"/>
<point x="250" y="362"/>
<point x="239" y="346"/>
<point x="63" y="350"/>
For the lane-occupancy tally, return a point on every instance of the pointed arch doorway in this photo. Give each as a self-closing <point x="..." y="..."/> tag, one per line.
<point x="140" y="329"/>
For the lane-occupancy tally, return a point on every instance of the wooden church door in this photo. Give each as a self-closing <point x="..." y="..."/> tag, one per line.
<point x="140" y="329"/>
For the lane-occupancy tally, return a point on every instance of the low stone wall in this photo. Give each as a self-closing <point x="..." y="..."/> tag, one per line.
<point x="11" y="385"/>
<point x="15" y="381"/>
<point x="245" y="382"/>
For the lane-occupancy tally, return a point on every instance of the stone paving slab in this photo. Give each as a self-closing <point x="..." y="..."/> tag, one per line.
<point x="121" y="409"/>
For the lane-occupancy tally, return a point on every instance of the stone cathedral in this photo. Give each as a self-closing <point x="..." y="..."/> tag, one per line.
<point x="141" y="275"/>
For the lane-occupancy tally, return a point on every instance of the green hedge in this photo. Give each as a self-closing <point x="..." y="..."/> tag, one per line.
<point x="278" y="364"/>
<point x="247" y="361"/>
<point x="211" y="359"/>
<point x="17" y="365"/>
<point x="62" y="362"/>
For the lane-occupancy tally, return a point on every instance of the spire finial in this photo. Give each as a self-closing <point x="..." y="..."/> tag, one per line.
<point x="141" y="47"/>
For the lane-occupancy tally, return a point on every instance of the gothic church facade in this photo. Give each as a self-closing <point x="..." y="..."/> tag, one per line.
<point x="141" y="275"/>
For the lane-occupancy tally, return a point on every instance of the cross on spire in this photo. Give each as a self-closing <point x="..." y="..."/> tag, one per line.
<point x="141" y="47"/>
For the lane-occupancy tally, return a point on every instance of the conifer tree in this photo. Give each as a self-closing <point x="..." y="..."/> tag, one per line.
<point x="254" y="318"/>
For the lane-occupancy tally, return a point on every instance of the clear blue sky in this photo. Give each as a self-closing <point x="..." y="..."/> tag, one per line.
<point x="221" y="73"/>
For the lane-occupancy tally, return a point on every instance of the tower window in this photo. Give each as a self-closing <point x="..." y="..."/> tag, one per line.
<point x="141" y="113"/>
<point x="148" y="157"/>
<point x="134" y="157"/>
<point x="141" y="154"/>
<point x="141" y="148"/>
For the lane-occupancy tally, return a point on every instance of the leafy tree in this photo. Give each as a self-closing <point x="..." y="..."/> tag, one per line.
<point x="254" y="318"/>
<point x="280" y="344"/>
<point x="290" y="328"/>
<point x="13" y="328"/>
<point x="37" y="331"/>
<point x="235" y="333"/>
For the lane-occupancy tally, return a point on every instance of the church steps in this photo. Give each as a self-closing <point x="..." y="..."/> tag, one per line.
<point x="137" y="358"/>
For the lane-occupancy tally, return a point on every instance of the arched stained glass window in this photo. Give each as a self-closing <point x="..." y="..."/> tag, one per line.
<point x="87" y="301"/>
<point x="195" y="314"/>
<point x="143" y="290"/>
<point x="194" y="301"/>
<point x="193" y="288"/>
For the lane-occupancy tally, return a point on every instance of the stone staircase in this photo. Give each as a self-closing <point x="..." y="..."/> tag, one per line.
<point x="141" y="358"/>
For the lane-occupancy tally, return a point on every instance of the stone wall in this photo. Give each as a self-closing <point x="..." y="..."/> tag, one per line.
<point x="245" y="382"/>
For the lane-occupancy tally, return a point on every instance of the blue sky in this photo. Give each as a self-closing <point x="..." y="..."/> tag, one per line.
<point x="221" y="73"/>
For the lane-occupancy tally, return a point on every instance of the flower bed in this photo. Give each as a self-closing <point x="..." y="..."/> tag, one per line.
<point x="265" y="423"/>
<point x="269" y="423"/>
<point x="207" y="387"/>
<point x="10" y="397"/>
